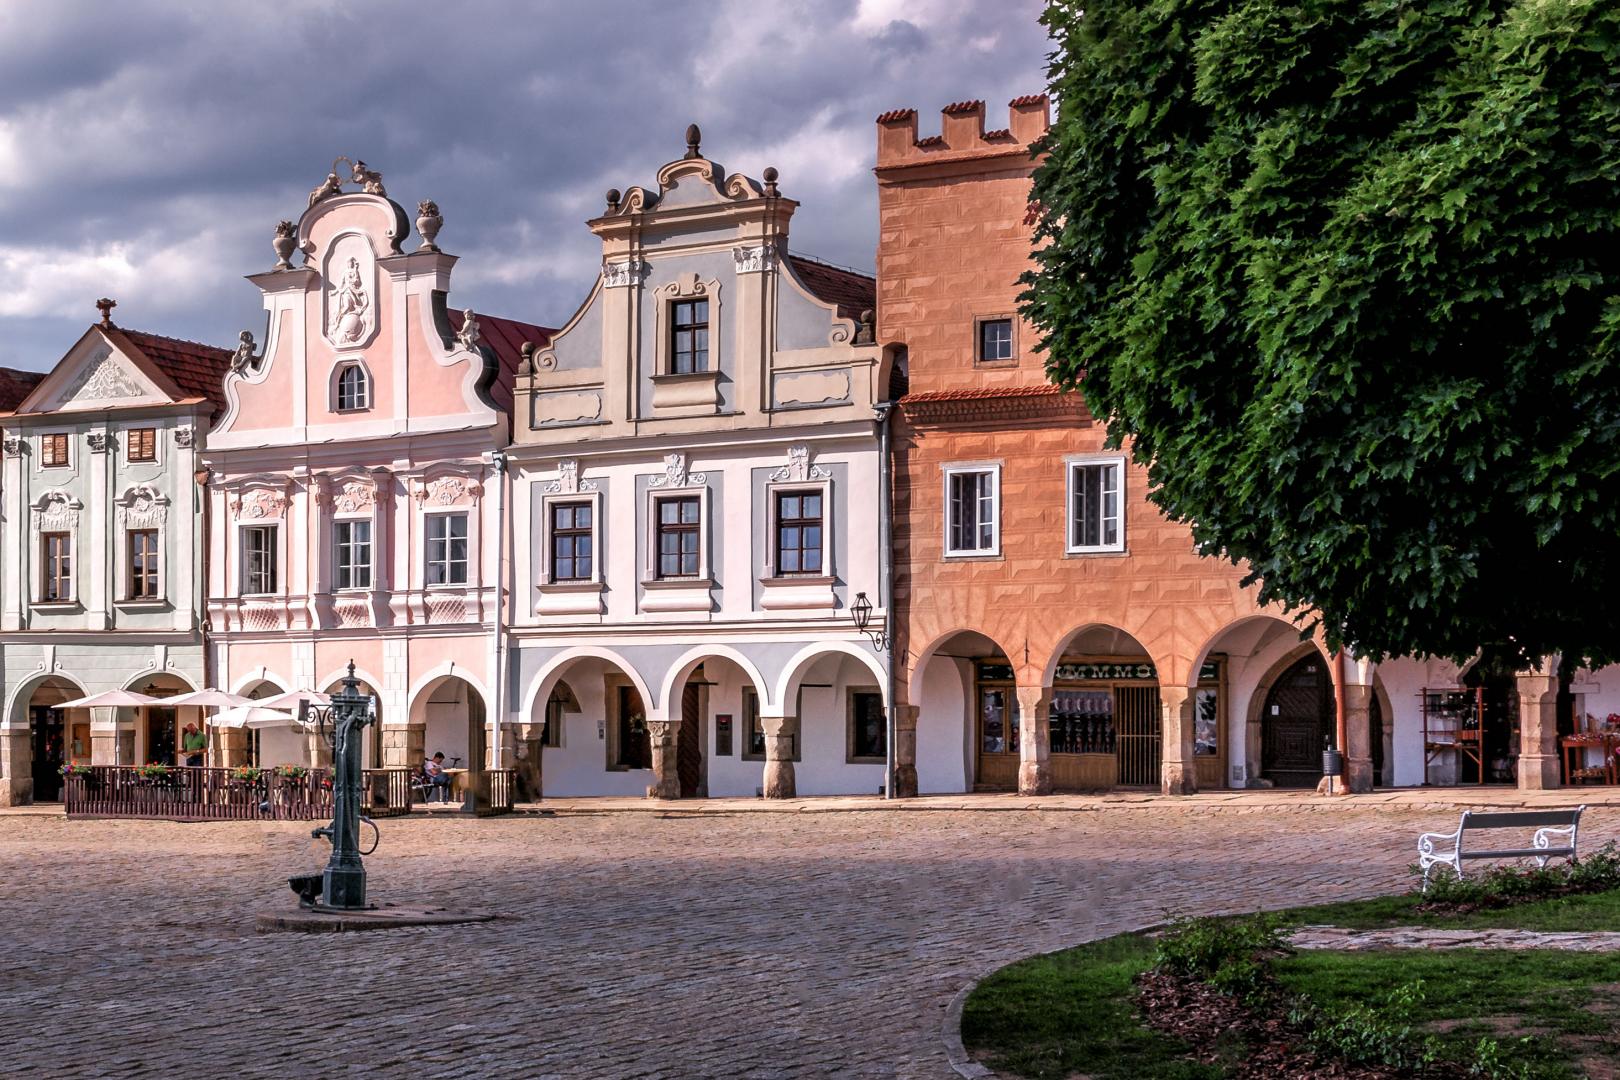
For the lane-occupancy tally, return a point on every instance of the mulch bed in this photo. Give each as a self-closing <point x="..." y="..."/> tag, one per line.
<point x="1191" y="1011"/>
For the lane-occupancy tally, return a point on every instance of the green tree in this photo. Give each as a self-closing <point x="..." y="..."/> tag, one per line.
<point x="1344" y="274"/>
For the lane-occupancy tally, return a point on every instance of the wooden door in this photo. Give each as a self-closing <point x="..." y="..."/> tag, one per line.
<point x="689" y="744"/>
<point x="1297" y="725"/>
<point x="45" y="725"/>
<point x="1139" y="740"/>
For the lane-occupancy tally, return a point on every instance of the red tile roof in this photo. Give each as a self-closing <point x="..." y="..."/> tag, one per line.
<point x="962" y="107"/>
<point x="974" y="393"/>
<point x="198" y="370"/>
<point x="16" y="385"/>
<point x="1026" y="99"/>
<point x="896" y="114"/>
<point x="853" y="293"/>
<point x="505" y="338"/>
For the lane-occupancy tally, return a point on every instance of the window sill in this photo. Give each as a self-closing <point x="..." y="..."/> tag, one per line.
<point x="446" y="586"/>
<point x="972" y="556"/>
<point x="678" y="583"/>
<point x="866" y="761"/>
<point x="569" y="598"/>
<point x="1083" y="553"/>
<point x="797" y="593"/>
<point x="697" y="390"/>
<point x="571" y="586"/>
<point x="56" y="606"/>
<point x="677" y="594"/>
<point x="143" y="604"/>
<point x="629" y="768"/>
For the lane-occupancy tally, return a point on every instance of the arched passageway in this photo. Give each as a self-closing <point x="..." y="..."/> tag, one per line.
<point x="1297" y="724"/>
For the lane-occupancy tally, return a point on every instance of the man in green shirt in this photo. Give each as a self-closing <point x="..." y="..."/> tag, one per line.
<point x="193" y="741"/>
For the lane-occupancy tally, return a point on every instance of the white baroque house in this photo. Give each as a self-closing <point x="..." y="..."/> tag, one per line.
<point x="102" y="538"/>
<point x="695" y="469"/>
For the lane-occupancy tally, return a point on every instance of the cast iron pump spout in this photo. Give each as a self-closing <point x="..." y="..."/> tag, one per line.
<point x="342" y="885"/>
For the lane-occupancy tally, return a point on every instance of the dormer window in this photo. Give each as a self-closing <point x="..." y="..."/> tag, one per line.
<point x="689" y="337"/>
<point x="353" y="388"/>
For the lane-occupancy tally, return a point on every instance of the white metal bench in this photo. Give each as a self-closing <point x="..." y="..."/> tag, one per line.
<point x="1550" y="826"/>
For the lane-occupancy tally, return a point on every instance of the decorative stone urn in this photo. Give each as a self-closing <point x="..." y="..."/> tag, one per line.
<point x="285" y="243"/>
<point x="428" y="223"/>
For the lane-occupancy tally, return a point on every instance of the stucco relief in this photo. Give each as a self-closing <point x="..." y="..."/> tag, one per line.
<point x="567" y="408"/>
<point x="621" y="273"/>
<point x="675" y="474"/>
<point x="143" y="507"/>
<point x="13" y="446"/>
<point x="259" y="503"/>
<point x="56" y="511"/>
<point x="568" y="481"/>
<point x="813" y="387"/>
<point x="102" y="378"/>
<point x="355" y="497"/>
<point x="447" y="491"/>
<point x="351" y="296"/>
<point x="754" y="258"/>
<point x="798" y="468"/>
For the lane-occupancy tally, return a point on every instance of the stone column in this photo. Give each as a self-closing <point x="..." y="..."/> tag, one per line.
<point x="1358" y="696"/>
<point x="404" y="745"/>
<point x="230" y="747"/>
<point x="1178" y="770"/>
<point x="779" y="779"/>
<point x="112" y="742"/>
<point x="1034" y="740"/>
<point x="666" y="771"/>
<point x="507" y="742"/>
<point x="16" y="767"/>
<point x="905" y="751"/>
<point x="1538" y="727"/>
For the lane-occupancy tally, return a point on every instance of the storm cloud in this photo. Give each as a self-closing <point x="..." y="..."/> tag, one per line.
<point x="147" y="149"/>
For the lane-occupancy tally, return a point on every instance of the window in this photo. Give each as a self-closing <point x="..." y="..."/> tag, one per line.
<point x="446" y="556"/>
<point x="53" y="450"/>
<point x="678" y="537"/>
<point x="688" y="337"/>
<point x="140" y="444"/>
<point x="754" y="730"/>
<point x="1096" y="519"/>
<point x="57" y="549"/>
<point x="571" y="542"/>
<point x="798" y="532"/>
<point x="352" y="554"/>
<point x="995" y="340"/>
<point x="971" y="527"/>
<point x="259" y="559"/>
<point x="143" y="564"/>
<point x="868" y="734"/>
<point x="353" y="388"/>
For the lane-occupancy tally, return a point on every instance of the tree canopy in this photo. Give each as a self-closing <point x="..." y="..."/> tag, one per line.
<point x="1345" y="275"/>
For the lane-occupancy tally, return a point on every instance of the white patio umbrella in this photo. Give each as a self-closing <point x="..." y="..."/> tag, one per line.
<point x="209" y="698"/>
<point x="253" y="716"/>
<point x="292" y="698"/>
<point x="110" y="699"/>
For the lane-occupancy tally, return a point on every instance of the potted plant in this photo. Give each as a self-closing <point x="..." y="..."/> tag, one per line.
<point x="154" y="774"/>
<point x="294" y="773"/>
<point x="246" y="776"/>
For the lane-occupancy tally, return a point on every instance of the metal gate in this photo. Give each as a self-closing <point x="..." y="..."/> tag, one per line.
<point x="1138" y="742"/>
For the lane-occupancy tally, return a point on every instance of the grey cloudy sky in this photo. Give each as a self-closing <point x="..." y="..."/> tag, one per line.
<point x="147" y="148"/>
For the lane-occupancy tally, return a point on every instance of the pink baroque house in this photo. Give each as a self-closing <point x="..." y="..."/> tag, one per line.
<point x="356" y="487"/>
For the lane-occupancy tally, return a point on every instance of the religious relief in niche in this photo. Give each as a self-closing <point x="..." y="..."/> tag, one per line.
<point x="348" y="316"/>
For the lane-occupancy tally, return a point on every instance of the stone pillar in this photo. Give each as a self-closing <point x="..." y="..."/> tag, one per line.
<point x="16" y="767"/>
<point x="320" y="751"/>
<point x="1538" y="727"/>
<point x="404" y="745"/>
<point x="905" y="751"/>
<point x="229" y="747"/>
<point x="507" y="741"/>
<point x="665" y="768"/>
<point x="112" y="742"/>
<point x="528" y="750"/>
<point x="1358" y="696"/>
<point x="779" y="779"/>
<point x="1034" y="740"/>
<point x="1178" y="773"/>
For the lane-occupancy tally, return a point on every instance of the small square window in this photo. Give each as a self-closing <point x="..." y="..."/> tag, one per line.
<point x="53" y="450"/>
<point x="141" y="444"/>
<point x="995" y="340"/>
<point x="972" y="518"/>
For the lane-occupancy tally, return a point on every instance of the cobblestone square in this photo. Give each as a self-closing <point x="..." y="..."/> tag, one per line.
<point x="635" y="944"/>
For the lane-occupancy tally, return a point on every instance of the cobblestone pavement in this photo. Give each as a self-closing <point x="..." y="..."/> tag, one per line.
<point x="750" y="945"/>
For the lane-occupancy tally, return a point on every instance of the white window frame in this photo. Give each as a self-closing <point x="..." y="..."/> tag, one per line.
<point x="465" y="513"/>
<point x="1071" y="465"/>
<point x="788" y="487"/>
<point x="993" y="470"/>
<point x="345" y="364"/>
<point x="371" y="553"/>
<point x="72" y="451"/>
<point x="594" y="500"/>
<point x="73" y="554"/>
<point x="125" y="581"/>
<point x="275" y="530"/>
<point x="705" y="540"/>
<point x="1011" y="359"/>
<point x="158" y="432"/>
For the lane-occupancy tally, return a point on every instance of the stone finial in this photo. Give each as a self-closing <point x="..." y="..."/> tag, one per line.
<point x="613" y="197"/>
<point x="428" y="223"/>
<point x="694" y="136"/>
<point x="285" y="243"/>
<point x="105" y="306"/>
<point x="526" y="365"/>
<point x="770" y="179"/>
<point x="866" y="334"/>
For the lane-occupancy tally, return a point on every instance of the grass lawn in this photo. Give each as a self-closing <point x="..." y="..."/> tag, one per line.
<point x="1071" y="1012"/>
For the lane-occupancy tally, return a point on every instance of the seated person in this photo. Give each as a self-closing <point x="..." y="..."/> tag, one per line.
<point x="193" y="742"/>
<point x="433" y="772"/>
